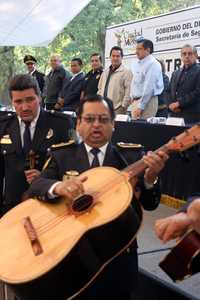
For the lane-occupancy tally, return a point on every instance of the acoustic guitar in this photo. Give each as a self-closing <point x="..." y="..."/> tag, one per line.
<point x="41" y="243"/>
<point x="183" y="260"/>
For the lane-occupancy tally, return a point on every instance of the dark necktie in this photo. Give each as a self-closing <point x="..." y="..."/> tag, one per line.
<point x="95" y="163"/>
<point x="27" y="138"/>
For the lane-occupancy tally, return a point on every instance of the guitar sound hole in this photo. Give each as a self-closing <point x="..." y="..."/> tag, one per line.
<point x="82" y="203"/>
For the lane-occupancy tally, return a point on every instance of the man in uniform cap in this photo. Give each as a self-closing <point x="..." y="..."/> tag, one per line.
<point x="30" y="62"/>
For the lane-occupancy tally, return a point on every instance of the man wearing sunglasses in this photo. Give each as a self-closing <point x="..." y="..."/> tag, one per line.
<point x="95" y="124"/>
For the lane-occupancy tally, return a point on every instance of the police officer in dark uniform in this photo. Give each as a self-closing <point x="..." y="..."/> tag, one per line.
<point x="31" y="62"/>
<point x="90" y="85"/>
<point x="25" y="139"/>
<point x="95" y="125"/>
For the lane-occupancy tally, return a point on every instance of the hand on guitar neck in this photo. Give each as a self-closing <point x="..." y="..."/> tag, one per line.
<point x="155" y="162"/>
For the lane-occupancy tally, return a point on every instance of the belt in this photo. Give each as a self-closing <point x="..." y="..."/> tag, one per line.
<point x="162" y="106"/>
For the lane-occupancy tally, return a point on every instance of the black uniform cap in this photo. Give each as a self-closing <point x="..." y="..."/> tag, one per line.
<point x="29" y="59"/>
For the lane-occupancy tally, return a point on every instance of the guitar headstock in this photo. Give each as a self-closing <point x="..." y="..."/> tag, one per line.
<point x="185" y="140"/>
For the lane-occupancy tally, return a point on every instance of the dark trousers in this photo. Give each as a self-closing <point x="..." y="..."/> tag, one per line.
<point x="118" y="281"/>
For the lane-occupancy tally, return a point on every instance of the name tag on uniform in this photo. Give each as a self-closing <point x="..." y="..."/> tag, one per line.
<point x="70" y="174"/>
<point x="6" y="140"/>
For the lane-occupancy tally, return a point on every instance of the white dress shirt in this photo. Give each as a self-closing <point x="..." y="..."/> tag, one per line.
<point x="32" y="127"/>
<point x="147" y="80"/>
<point x="101" y="154"/>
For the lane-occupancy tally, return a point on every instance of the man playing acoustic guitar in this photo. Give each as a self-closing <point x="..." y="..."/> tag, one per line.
<point x="118" y="280"/>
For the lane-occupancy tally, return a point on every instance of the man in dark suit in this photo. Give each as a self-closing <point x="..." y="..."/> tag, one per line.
<point x="71" y="92"/>
<point x="95" y="125"/>
<point x="184" y="88"/>
<point x="29" y="130"/>
<point x="54" y="82"/>
<point x="31" y="62"/>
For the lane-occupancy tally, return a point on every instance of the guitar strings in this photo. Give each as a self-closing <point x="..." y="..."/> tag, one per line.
<point x="56" y="220"/>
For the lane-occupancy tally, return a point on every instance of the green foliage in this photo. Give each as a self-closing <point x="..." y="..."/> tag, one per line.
<point x="7" y="63"/>
<point x="86" y="33"/>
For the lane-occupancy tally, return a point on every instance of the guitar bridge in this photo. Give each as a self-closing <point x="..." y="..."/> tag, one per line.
<point x="32" y="235"/>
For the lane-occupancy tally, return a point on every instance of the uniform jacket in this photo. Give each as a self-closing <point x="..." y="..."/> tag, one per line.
<point x="90" y="85"/>
<point x="40" y="79"/>
<point x="51" y="128"/>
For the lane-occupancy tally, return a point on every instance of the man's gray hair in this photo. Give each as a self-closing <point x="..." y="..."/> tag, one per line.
<point x="194" y="49"/>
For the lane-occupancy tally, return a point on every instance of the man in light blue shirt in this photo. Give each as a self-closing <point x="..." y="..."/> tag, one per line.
<point x="147" y="81"/>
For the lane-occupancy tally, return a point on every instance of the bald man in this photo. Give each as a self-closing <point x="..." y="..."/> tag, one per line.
<point x="54" y="81"/>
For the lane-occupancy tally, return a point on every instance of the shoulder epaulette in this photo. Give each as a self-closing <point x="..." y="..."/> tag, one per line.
<point x="62" y="145"/>
<point x="129" y="145"/>
<point x="7" y="116"/>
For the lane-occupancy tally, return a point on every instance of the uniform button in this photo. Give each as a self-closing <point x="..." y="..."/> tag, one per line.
<point x="4" y="152"/>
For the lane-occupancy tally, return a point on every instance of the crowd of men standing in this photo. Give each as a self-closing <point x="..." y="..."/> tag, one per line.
<point x="143" y="91"/>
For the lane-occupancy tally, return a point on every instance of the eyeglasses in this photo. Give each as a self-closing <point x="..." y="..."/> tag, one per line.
<point x="90" y="119"/>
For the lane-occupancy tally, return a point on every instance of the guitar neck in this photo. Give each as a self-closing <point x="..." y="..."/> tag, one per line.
<point x="182" y="142"/>
<point x="139" y="166"/>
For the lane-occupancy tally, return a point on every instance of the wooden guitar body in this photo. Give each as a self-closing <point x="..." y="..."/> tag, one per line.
<point x="184" y="259"/>
<point x="74" y="246"/>
<point x="71" y="245"/>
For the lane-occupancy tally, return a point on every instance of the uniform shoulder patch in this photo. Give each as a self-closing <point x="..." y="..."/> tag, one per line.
<point x="129" y="145"/>
<point x="62" y="145"/>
